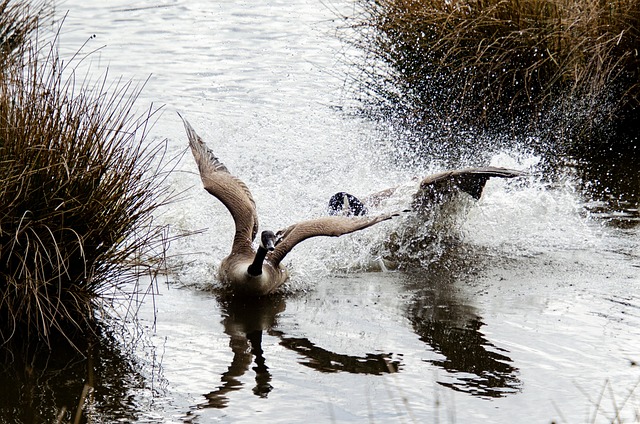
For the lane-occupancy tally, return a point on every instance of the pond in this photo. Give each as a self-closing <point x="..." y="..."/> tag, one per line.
<point x="525" y="307"/>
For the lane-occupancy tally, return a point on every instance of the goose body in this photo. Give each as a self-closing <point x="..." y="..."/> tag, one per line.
<point x="233" y="272"/>
<point x="250" y="271"/>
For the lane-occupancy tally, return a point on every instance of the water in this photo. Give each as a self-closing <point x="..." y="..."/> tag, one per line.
<point x="527" y="310"/>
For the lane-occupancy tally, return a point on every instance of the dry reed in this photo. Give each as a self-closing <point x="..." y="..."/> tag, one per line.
<point x="18" y="21"/>
<point x="499" y="63"/>
<point x="78" y="188"/>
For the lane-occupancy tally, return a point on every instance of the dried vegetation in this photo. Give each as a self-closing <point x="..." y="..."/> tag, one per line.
<point x="79" y="184"/>
<point x="564" y="67"/>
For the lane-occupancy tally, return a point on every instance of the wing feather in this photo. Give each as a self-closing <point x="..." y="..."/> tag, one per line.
<point x="231" y="191"/>
<point x="330" y="226"/>
<point x="437" y="187"/>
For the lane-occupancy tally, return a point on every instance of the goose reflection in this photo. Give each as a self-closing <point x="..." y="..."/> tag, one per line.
<point x="325" y="361"/>
<point x="244" y="321"/>
<point x="446" y="322"/>
<point x="247" y="319"/>
<point x="429" y="249"/>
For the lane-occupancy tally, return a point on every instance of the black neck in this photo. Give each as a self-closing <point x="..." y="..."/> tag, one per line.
<point x="255" y="268"/>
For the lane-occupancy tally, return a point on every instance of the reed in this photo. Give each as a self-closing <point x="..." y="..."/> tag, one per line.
<point x="18" y="21"/>
<point x="499" y="62"/>
<point x="79" y="185"/>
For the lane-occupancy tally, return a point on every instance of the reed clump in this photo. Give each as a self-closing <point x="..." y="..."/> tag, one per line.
<point x="500" y="63"/>
<point x="78" y="188"/>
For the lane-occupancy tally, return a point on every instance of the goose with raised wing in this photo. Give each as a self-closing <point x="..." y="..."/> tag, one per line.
<point x="432" y="190"/>
<point x="250" y="271"/>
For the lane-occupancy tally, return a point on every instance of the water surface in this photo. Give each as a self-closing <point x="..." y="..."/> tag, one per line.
<point x="524" y="309"/>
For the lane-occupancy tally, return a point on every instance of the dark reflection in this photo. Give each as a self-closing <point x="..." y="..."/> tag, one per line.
<point x="42" y="383"/>
<point x="611" y="182"/>
<point x="326" y="361"/>
<point x="247" y="319"/>
<point x="439" y="314"/>
<point x="606" y="161"/>
<point x="244" y="321"/>
<point x="452" y="328"/>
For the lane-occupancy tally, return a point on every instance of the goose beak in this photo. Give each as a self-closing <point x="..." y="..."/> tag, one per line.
<point x="270" y="245"/>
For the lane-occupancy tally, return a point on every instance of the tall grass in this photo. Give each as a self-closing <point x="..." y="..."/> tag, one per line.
<point x="18" y="21"/>
<point x="506" y="64"/>
<point x="78" y="188"/>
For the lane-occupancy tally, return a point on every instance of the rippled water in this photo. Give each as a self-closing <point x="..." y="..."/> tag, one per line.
<point x="526" y="310"/>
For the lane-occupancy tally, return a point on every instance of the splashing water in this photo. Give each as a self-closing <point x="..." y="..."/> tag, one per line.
<point x="550" y="308"/>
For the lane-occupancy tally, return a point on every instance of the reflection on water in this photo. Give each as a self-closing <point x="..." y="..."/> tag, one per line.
<point x="246" y="320"/>
<point x="41" y="383"/>
<point x="438" y="315"/>
<point x="613" y="185"/>
<point x="326" y="361"/>
<point x="451" y="328"/>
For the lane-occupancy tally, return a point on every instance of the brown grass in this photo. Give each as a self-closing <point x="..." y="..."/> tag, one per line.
<point x="18" y="21"/>
<point x="78" y="188"/>
<point x="499" y="62"/>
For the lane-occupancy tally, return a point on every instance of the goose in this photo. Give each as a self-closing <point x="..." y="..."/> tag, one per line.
<point x="433" y="189"/>
<point x="258" y="272"/>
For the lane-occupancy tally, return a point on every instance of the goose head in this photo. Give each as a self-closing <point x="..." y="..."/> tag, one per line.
<point x="268" y="240"/>
<point x="347" y="204"/>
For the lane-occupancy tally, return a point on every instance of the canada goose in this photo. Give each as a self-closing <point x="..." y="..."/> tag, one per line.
<point x="258" y="272"/>
<point x="433" y="189"/>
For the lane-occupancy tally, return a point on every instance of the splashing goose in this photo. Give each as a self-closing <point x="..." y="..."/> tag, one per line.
<point x="433" y="189"/>
<point x="259" y="272"/>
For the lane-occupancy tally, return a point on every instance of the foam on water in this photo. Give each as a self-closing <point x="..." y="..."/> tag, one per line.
<point x="530" y="216"/>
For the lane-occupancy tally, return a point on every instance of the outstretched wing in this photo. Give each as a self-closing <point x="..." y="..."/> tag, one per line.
<point x="232" y="192"/>
<point x="331" y="226"/>
<point x="437" y="187"/>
